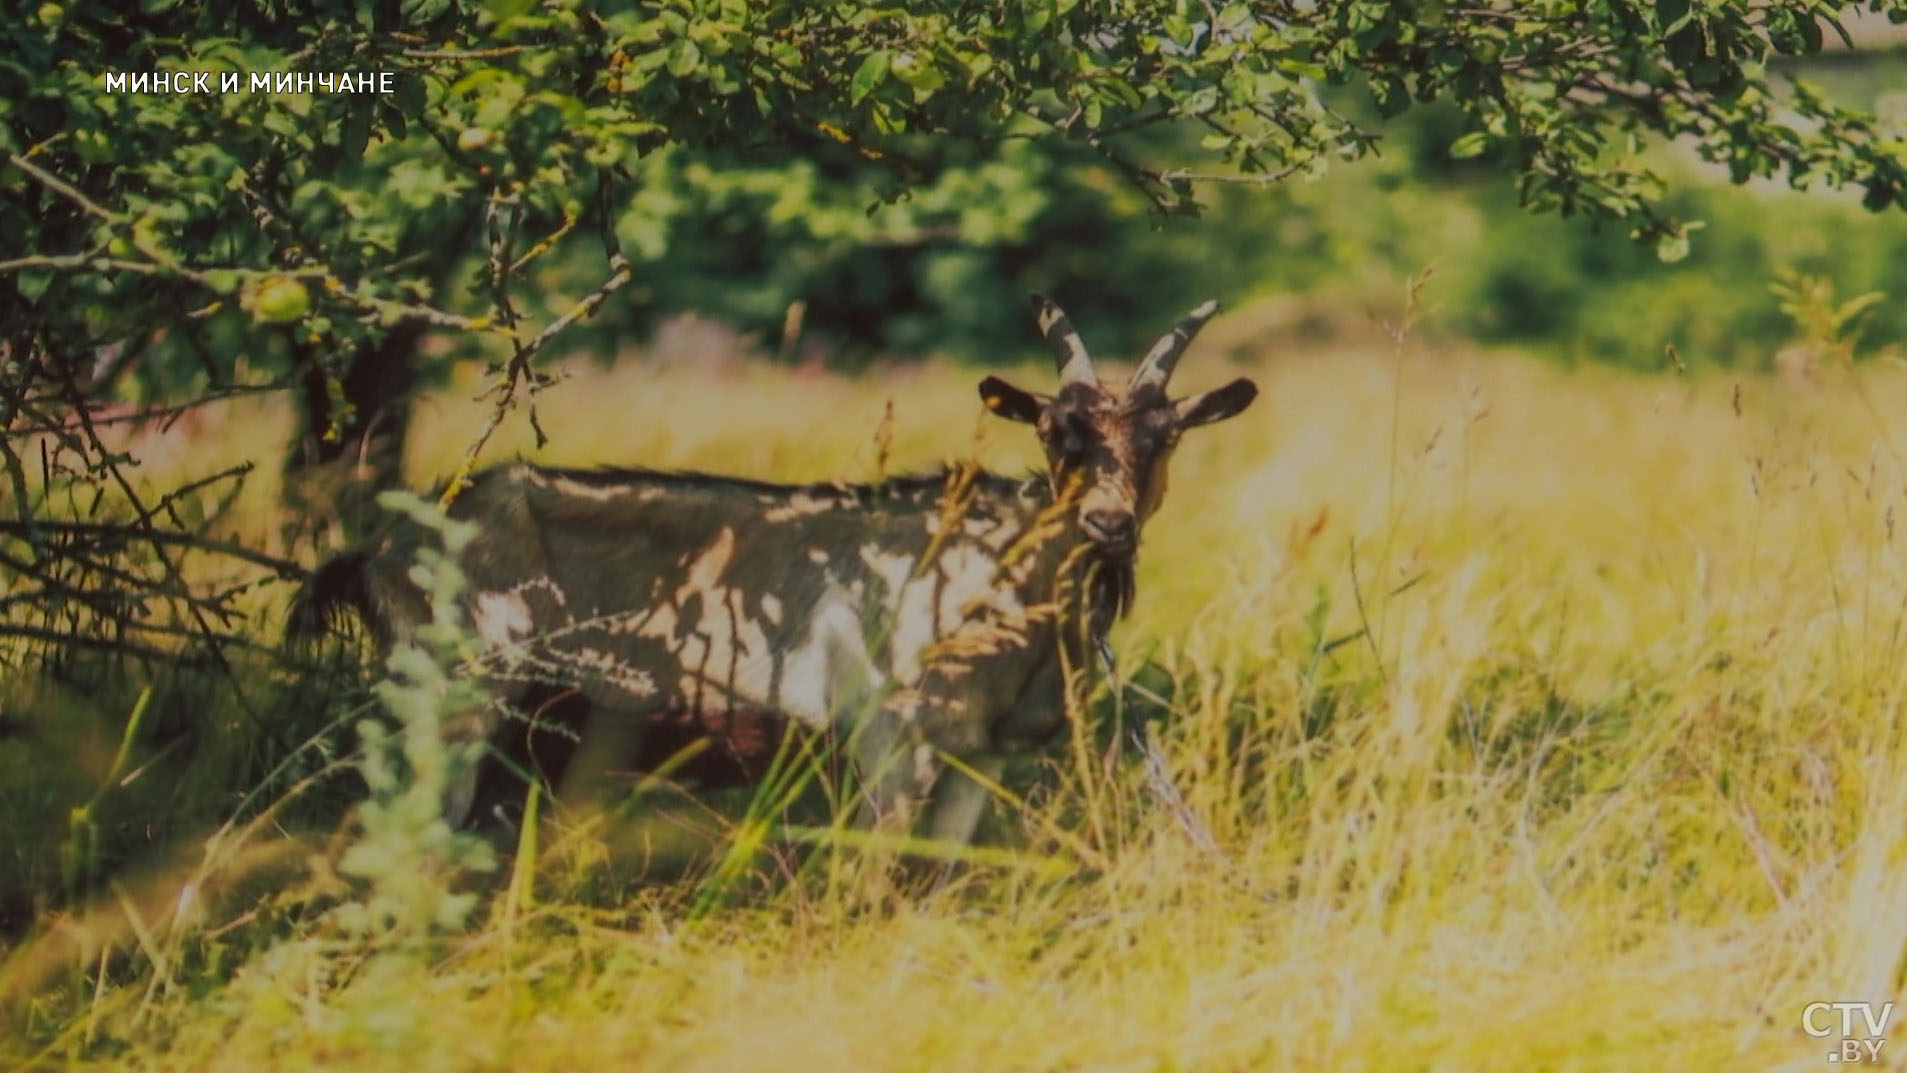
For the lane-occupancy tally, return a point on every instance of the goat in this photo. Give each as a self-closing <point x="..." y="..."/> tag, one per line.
<point x="917" y="618"/>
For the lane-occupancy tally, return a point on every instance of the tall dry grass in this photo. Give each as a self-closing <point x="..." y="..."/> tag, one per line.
<point x="1540" y="719"/>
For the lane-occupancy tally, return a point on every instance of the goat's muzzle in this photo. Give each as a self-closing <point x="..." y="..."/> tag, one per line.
<point x="1114" y="533"/>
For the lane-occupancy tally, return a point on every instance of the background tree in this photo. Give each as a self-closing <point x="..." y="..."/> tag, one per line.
<point x="534" y="159"/>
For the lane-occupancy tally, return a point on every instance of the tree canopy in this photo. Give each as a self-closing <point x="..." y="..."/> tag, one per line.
<point x="318" y="184"/>
<point x="510" y="123"/>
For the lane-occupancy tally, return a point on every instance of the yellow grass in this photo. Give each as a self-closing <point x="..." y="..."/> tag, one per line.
<point x="1543" y="719"/>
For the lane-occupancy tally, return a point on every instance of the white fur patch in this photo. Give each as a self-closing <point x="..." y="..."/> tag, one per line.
<point x="501" y="618"/>
<point x="830" y="676"/>
<point x="891" y="567"/>
<point x="995" y="533"/>
<point x="798" y="505"/>
<point x="971" y="579"/>
<point x="709" y="566"/>
<point x="601" y="492"/>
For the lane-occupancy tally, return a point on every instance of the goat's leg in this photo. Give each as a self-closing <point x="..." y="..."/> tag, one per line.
<point x="959" y="801"/>
<point x="899" y="747"/>
<point x="611" y="740"/>
<point x="895" y="766"/>
<point x="898" y="753"/>
<point x="954" y="810"/>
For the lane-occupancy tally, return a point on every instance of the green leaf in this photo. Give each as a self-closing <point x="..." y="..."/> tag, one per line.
<point x="356" y="134"/>
<point x="869" y="76"/>
<point x="924" y="78"/>
<point x="1391" y="94"/>
<point x="1035" y="14"/>
<point x="684" y="58"/>
<point x="1672" y="15"/>
<point x="32" y="282"/>
<point x="1672" y="247"/>
<point x="1470" y="145"/>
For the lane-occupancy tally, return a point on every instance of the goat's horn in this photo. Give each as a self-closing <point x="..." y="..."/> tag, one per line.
<point x="1159" y="362"/>
<point x="1069" y="351"/>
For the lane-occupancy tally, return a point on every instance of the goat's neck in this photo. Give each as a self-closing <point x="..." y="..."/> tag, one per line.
<point x="1066" y="566"/>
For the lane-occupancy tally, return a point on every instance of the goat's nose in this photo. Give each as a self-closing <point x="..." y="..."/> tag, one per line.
<point x="1109" y="526"/>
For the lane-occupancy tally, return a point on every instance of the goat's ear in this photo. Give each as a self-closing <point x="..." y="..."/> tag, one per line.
<point x="1217" y="404"/>
<point x="1009" y="401"/>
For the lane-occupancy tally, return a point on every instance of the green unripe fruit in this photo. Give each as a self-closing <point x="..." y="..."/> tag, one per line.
<point x="280" y="301"/>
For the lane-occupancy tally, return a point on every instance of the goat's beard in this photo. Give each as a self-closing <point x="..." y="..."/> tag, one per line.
<point x="1109" y="591"/>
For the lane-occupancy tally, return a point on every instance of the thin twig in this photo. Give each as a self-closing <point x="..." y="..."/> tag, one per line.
<point x="1180" y="175"/>
<point x="102" y="644"/>
<point x="60" y="186"/>
<point x="151" y="413"/>
<point x="460" y="54"/>
<point x="519" y="368"/>
<point x="16" y="470"/>
<point x="284" y="567"/>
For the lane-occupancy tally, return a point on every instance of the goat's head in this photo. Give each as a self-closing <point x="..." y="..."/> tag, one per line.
<point x="1109" y="443"/>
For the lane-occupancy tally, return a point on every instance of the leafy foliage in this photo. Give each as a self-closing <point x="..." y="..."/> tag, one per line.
<point x="406" y="852"/>
<point x="292" y="226"/>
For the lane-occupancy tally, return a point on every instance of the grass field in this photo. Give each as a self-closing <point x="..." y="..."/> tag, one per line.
<point x="1525" y="719"/>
